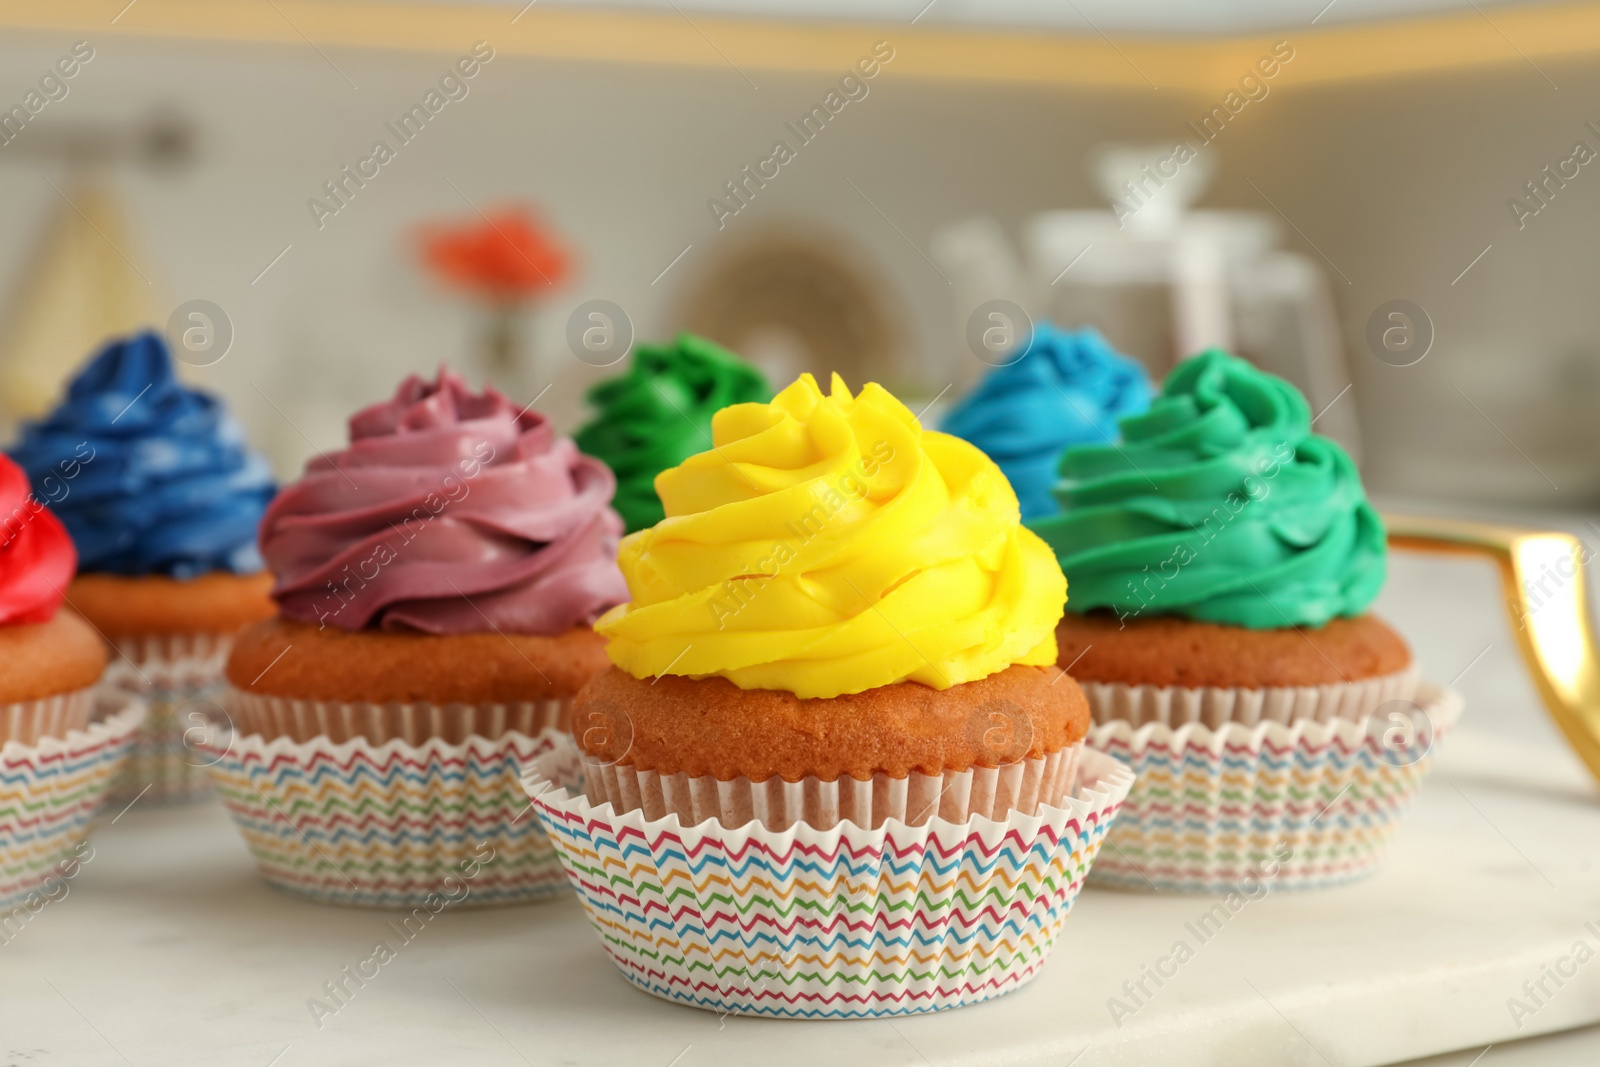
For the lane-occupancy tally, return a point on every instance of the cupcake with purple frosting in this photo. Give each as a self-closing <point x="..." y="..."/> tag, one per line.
<point x="1063" y="389"/>
<point x="436" y="583"/>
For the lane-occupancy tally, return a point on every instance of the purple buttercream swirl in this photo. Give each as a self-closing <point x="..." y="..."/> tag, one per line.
<point x="450" y="512"/>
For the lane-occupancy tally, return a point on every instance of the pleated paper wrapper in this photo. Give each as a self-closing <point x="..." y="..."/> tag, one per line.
<point x="415" y="724"/>
<point x="846" y="922"/>
<point x="180" y="678"/>
<point x="396" y="823"/>
<point x="777" y="804"/>
<point x="1309" y="803"/>
<point x="1216" y="707"/>
<point x="51" y="789"/>
<point x="29" y="721"/>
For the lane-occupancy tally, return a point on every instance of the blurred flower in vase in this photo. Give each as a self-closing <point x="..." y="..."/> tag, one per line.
<point x="510" y="262"/>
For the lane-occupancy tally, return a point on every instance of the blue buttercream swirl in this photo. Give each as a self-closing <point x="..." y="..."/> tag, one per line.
<point x="1065" y="389"/>
<point x="149" y="476"/>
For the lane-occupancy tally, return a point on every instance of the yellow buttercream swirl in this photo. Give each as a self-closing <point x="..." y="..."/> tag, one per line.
<point x="829" y="545"/>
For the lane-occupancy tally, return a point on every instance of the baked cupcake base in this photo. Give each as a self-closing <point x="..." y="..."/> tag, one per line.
<point x="1166" y="651"/>
<point x="51" y="788"/>
<point x="706" y="749"/>
<point x="48" y="671"/>
<point x="838" y="923"/>
<point x="1306" y="802"/>
<point x="404" y="820"/>
<point x="709" y="726"/>
<point x="303" y="661"/>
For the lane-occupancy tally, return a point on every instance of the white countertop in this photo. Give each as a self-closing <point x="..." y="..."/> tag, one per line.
<point x="169" y="950"/>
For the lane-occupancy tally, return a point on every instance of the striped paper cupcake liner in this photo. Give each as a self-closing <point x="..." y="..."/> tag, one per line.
<point x="164" y="765"/>
<point x="842" y="923"/>
<point x="1302" y="805"/>
<point x="180" y="678"/>
<point x="391" y="825"/>
<point x="50" y="791"/>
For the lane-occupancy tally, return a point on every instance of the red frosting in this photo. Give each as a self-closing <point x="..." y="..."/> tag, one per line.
<point x="37" y="559"/>
<point x="450" y="512"/>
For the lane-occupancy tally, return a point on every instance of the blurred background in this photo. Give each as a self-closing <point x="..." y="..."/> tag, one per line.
<point x="984" y="159"/>
<point x="1393" y="203"/>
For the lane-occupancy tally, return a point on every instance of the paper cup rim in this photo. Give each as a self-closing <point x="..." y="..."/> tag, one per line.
<point x="1442" y="704"/>
<point x="130" y="713"/>
<point x="1113" y="781"/>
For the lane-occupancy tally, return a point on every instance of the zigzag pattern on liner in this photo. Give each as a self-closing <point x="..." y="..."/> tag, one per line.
<point x="847" y="923"/>
<point x="747" y="1001"/>
<point x="387" y="825"/>
<point x="50" y="793"/>
<point x="894" y="979"/>
<point x="1210" y="808"/>
<point x="750" y="908"/>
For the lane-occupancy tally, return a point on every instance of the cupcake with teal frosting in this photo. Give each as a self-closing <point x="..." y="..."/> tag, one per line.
<point x="1063" y="389"/>
<point x="1220" y="543"/>
<point x="161" y="496"/>
<point x="658" y="413"/>
<point x="1223" y="559"/>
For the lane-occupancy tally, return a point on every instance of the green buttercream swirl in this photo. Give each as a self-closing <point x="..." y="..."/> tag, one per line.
<point x="1220" y="504"/>
<point x="658" y="414"/>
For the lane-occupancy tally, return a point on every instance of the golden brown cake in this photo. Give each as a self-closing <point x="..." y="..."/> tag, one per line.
<point x="1168" y="651"/>
<point x="297" y="660"/>
<point x="44" y="659"/>
<point x="217" y="602"/>
<point x="712" y="727"/>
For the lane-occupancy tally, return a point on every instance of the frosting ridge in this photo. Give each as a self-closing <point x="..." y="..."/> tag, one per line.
<point x="162" y="481"/>
<point x="450" y="512"/>
<point x="1064" y="389"/>
<point x="1220" y="504"/>
<point x="829" y="545"/>
<point x="658" y="413"/>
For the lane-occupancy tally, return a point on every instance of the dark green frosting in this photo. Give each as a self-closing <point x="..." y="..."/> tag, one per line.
<point x="1220" y="504"/>
<point x="658" y="414"/>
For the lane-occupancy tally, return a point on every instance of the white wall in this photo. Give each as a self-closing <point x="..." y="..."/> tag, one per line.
<point x="1400" y="184"/>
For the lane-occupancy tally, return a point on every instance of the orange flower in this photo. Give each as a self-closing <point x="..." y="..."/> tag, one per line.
<point x="506" y="257"/>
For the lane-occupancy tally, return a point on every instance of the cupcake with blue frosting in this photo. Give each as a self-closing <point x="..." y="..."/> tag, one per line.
<point x="162" y="497"/>
<point x="1063" y="389"/>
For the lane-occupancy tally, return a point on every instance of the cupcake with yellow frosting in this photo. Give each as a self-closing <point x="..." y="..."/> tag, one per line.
<point x="835" y="689"/>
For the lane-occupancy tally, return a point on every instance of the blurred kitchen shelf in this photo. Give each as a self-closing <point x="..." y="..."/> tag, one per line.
<point x="169" y="949"/>
<point x="985" y="48"/>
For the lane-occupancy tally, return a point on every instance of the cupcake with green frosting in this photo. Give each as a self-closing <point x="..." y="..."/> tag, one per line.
<point x="658" y="414"/>
<point x="1221" y="544"/>
<point x="1223" y="558"/>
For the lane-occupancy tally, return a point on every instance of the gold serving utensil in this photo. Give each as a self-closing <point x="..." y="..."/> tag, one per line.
<point x="1542" y="574"/>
